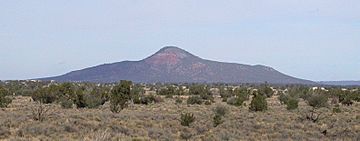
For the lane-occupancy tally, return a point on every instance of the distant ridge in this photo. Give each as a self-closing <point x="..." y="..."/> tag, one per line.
<point x="174" y="65"/>
<point x="340" y="83"/>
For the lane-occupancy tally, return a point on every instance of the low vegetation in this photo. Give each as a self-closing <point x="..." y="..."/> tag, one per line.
<point x="186" y="119"/>
<point x="126" y="111"/>
<point x="194" y="100"/>
<point x="219" y="113"/>
<point x="40" y="111"/>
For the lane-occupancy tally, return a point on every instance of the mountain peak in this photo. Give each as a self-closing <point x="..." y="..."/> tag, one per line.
<point x="175" y="65"/>
<point x="172" y="49"/>
<point x="169" y="55"/>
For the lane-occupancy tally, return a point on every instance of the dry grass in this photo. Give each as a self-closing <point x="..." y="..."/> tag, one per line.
<point x="160" y="122"/>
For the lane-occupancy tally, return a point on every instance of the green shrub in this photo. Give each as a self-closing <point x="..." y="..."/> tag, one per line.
<point x="178" y="100"/>
<point x="65" y="93"/>
<point x="136" y="96"/>
<point x="66" y="90"/>
<point x="136" y="99"/>
<point x="347" y="98"/>
<point x="217" y="120"/>
<point x="137" y="90"/>
<point x="207" y="102"/>
<point x="258" y="103"/>
<point x="241" y="95"/>
<point x="283" y="98"/>
<point x="305" y="96"/>
<point x="84" y="98"/>
<point x="336" y="109"/>
<point x="291" y="100"/>
<point x="199" y="90"/>
<point x="194" y="100"/>
<point x="186" y="119"/>
<point x="317" y="101"/>
<point x="347" y="101"/>
<point x="356" y="96"/>
<point x="292" y="104"/>
<point x="207" y="97"/>
<point x="202" y="94"/>
<point x="103" y="91"/>
<point x="66" y="103"/>
<point x="266" y="91"/>
<point x="120" y="95"/>
<point x="147" y="99"/>
<point x="45" y="95"/>
<point x="220" y="110"/>
<point x="299" y="92"/>
<point x="236" y="101"/>
<point x="93" y="100"/>
<point x="225" y="99"/>
<point x="225" y="93"/>
<point x="4" y="100"/>
<point x="181" y="91"/>
<point x="168" y="92"/>
<point x="97" y="98"/>
<point x="219" y="113"/>
<point x="78" y="98"/>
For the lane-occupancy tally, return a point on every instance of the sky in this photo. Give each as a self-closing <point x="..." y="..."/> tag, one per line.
<point x="310" y="39"/>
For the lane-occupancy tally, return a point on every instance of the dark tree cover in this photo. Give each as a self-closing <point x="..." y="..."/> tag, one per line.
<point x="292" y="103"/>
<point x="203" y="91"/>
<point x="78" y="97"/>
<point x="46" y="95"/>
<point x="4" y="100"/>
<point x="194" y="100"/>
<point x="242" y="93"/>
<point x="168" y="91"/>
<point x="265" y="90"/>
<point x="197" y="89"/>
<point x="318" y="101"/>
<point x="226" y="92"/>
<point x="23" y="87"/>
<point x="120" y="95"/>
<point x="258" y="103"/>
<point x="82" y="95"/>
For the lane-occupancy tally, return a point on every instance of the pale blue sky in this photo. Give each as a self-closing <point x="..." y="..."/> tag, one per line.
<point x="311" y="39"/>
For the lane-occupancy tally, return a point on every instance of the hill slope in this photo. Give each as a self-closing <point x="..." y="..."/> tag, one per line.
<point x="172" y="64"/>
